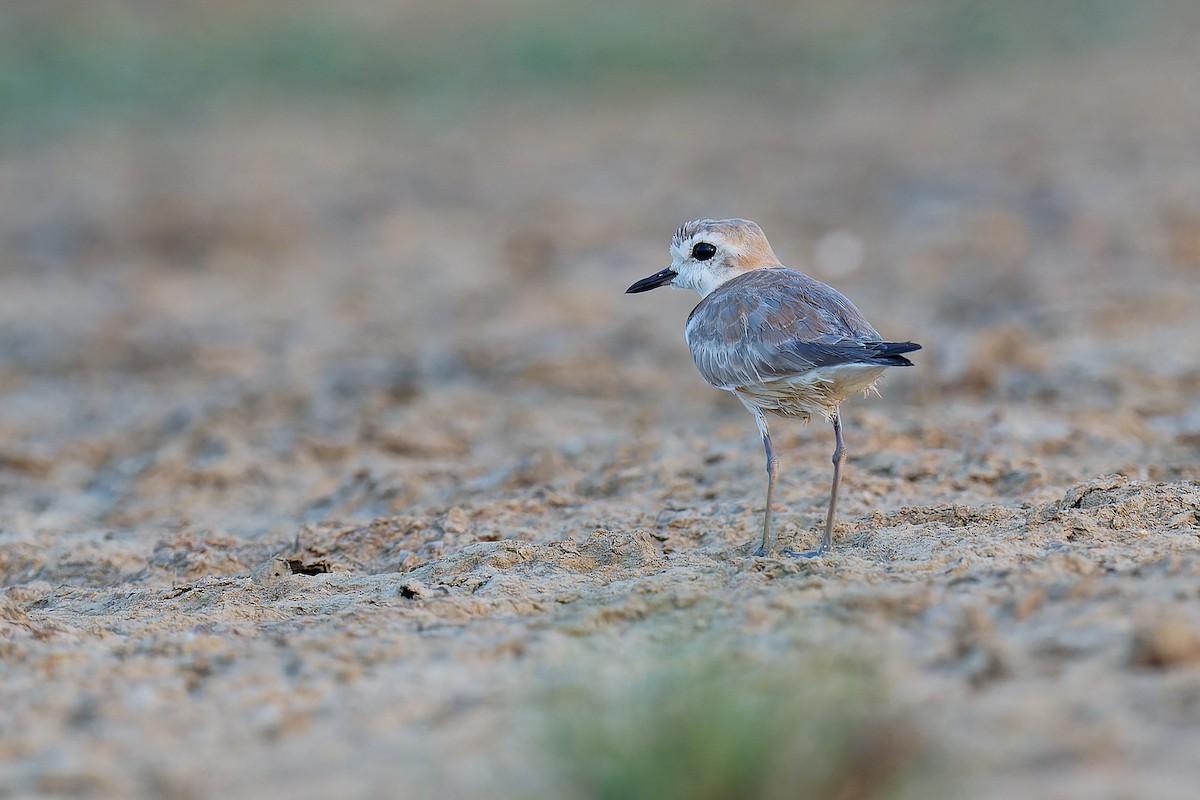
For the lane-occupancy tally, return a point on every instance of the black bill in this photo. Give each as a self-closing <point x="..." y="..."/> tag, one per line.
<point x="653" y="282"/>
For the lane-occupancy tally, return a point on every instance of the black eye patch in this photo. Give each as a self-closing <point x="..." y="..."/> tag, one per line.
<point x="703" y="251"/>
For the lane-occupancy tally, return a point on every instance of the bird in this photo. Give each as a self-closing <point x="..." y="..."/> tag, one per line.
<point x="782" y="342"/>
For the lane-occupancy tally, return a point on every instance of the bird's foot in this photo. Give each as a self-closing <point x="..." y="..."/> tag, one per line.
<point x="761" y="552"/>
<point x="820" y="551"/>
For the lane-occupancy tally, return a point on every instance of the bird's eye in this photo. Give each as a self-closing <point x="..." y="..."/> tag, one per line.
<point x="703" y="251"/>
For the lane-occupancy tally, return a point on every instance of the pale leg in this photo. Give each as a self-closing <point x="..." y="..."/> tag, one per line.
<point x="768" y="537"/>
<point x="839" y="458"/>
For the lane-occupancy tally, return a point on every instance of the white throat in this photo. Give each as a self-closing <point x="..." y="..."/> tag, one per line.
<point x="702" y="279"/>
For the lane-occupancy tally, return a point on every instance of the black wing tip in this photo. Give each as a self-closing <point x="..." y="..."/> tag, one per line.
<point x="889" y="353"/>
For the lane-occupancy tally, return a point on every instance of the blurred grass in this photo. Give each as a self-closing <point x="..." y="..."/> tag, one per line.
<point x="708" y="724"/>
<point x="64" y="65"/>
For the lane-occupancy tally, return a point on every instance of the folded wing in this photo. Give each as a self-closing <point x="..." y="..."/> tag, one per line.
<point x="775" y="323"/>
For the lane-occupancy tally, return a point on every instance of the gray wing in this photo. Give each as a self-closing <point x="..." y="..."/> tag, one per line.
<point x="774" y="323"/>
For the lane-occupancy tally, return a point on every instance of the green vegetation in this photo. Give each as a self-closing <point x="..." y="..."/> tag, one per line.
<point x="61" y="70"/>
<point x="713" y="725"/>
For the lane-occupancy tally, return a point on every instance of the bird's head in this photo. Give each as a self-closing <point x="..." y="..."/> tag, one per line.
<point x="705" y="253"/>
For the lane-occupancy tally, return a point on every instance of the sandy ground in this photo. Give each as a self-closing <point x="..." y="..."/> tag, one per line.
<point x="396" y="354"/>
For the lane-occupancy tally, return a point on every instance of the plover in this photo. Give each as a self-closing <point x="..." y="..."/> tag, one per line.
<point x="781" y="341"/>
